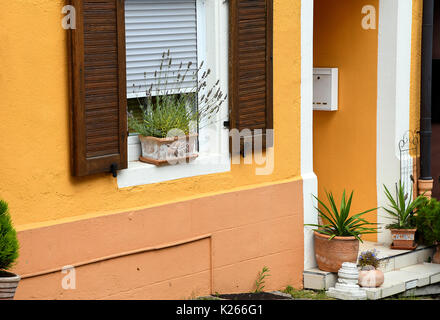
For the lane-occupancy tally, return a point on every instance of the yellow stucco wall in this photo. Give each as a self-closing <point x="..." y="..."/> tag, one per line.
<point x="345" y="140"/>
<point x="34" y="112"/>
<point x="416" y="57"/>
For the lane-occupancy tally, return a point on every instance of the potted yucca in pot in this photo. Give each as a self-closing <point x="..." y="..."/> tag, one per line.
<point x="8" y="254"/>
<point x="337" y="237"/>
<point x="402" y="210"/>
<point x="428" y="224"/>
<point x="171" y="113"/>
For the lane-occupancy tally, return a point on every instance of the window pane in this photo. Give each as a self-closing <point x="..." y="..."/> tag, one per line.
<point x="152" y="28"/>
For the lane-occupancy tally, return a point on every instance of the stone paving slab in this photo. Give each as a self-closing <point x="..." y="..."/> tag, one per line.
<point x="391" y="260"/>
<point x="427" y="273"/>
<point x="316" y="279"/>
<point x="395" y="282"/>
<point x="408" y="278"/>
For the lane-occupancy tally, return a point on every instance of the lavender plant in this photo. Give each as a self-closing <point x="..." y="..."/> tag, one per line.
<point x="368" y="260"/>
<point x="174" y="106"/>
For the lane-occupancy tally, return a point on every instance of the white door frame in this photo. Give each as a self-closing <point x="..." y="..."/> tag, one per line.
<point x="310" y="183"/>
<point x="393" y="96"/>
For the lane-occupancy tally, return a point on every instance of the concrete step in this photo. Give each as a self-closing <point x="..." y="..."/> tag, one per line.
<point x="406" y="279"/>
<point x="431" y="290"/>
<point x="391" y="260"/>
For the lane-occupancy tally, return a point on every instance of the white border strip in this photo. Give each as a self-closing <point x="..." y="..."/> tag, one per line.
<point x="393" y="94"/>
<point x="310" y="183"/>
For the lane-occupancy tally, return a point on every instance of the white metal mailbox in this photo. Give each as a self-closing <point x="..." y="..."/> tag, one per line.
<point x="325" y="89"/>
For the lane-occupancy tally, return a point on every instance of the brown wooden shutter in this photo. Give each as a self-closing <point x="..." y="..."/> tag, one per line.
<point x="250" y="64"/>
<point x="98" y="84"/>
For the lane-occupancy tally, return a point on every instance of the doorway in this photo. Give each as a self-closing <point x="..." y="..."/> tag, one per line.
<point x="435" y="111"/>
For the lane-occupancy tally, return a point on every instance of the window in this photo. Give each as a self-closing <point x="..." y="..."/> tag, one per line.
<point x="234" y="38"/>
<point x="153" y="27"/>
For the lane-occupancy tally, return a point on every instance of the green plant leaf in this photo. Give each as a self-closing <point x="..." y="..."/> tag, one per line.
<point x="338" y="220"/>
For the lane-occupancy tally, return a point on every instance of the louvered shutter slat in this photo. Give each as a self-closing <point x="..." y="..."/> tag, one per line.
<point x="250" y="70"/>
<point x="99" y="123"/>
<point x="152" y="28"/>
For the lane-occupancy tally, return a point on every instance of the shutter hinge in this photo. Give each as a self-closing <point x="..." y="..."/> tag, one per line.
<point x="113" y="169"/>
<point x="227" y="124"/>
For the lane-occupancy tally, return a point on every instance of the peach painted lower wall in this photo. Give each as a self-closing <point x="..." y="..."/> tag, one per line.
<point x="176" y="251"/>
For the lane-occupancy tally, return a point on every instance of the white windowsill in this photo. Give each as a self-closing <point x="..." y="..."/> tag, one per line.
<point x="139" y="173"/>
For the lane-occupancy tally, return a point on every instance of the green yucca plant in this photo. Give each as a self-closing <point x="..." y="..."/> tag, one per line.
<point x="400" y="209"/>
<point x="8" y="238"/>
<point x="338" y="223"/>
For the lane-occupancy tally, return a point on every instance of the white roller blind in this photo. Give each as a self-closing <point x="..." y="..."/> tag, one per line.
<point x="152" y="28"/>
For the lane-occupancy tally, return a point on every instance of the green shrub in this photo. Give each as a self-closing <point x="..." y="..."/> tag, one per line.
<point x="8" y="238"/>
<point x="428" y="221"/>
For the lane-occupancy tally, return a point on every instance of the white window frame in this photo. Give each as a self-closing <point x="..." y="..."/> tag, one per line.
<point x="214" y="157"/>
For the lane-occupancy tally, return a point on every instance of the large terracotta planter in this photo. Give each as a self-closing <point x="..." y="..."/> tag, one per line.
<point x="371" y="278"/>
<point x="172" y="150"/>
<point x="8" y="285"/>
<point x="331" y="254"/>
<point x="403" y="239"/>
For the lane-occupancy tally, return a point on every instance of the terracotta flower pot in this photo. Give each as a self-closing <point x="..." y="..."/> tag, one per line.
<point x="371" y="278"/>
<point x="436" y="257"/>
<point x="403" y="239"/>
<point x="8" y="285"/>
<point x="331" y="254"/>
<point x="171" y="150"/>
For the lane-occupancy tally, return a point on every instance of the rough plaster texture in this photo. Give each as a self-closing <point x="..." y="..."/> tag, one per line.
<point x="345" y="140"/>
<point x="239" y="233"/>
<point x="416" y="58"/>
<point x="64" y="220"/>
<point x="34" y="109"/>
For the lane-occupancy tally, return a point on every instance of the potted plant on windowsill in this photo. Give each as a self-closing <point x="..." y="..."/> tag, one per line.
<point x="337" y="238"/>
<point x="402" y="210"/>
<point x="171" y="115"/>
<point x="428" y="224"/>
<point x="8" y="254"/>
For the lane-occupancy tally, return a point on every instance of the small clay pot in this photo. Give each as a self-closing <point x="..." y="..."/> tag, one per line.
<point x="403" y="239"/>
<point x="371" y="278"/>
<point x="436" y="257"/>
<point x="331" y="254"/>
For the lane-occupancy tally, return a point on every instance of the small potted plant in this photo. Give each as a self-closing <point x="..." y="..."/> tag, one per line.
<point x="172" y="114"/>
<point x="337" y="238"/>
<point x="8" y="254"/>
<point x="369" y="275"/>
<point x="402" y="210"/>
<point x="428" y="224"/>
